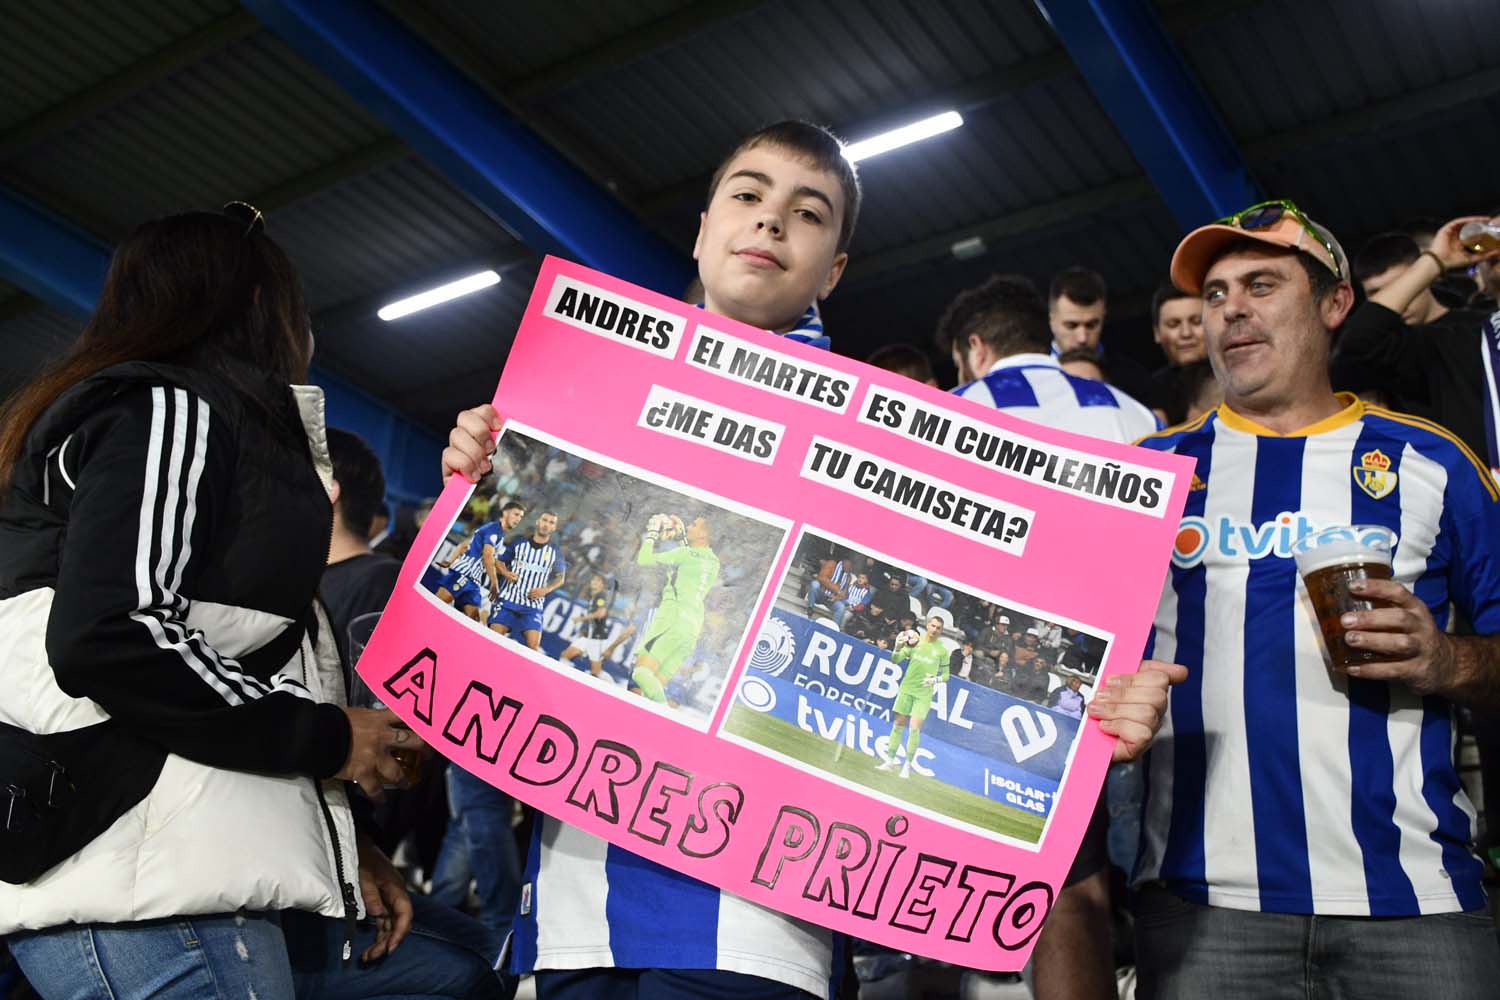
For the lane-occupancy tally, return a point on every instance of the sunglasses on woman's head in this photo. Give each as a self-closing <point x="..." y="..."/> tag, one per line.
<point x="242" y="211"/>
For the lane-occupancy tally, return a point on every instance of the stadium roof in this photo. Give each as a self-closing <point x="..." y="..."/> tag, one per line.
<point x="1366" y="112"/>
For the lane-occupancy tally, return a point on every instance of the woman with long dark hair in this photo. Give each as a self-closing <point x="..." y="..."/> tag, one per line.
<point x="173" y="737"/>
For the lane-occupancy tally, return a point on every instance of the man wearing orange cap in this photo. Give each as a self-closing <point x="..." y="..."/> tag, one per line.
<point x="1290" y="803"/>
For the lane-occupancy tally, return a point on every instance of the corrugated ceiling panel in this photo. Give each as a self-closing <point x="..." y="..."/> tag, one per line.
<point x="521" y="41"/>
<point x="667" y="119"/>
<point x="52" y="51"/>
<point x="1376" y="182"/>
<point x="245" y="121"/>
<point x="1287" y="63"/>
<point x="382" y="231"/>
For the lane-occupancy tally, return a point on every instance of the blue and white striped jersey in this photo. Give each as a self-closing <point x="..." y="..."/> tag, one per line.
<point x="535" y="566"/>
<point x="587" y="904"/>
<point x="470" y="565"/>
<point x="1276" y="784"/>
<point x="1034" y="387"/>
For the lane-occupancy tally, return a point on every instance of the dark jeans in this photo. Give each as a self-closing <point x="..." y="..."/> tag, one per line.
<point x="1186" y="950"/>
<point x="481" y="843"/>
<point x="284" y="955"/>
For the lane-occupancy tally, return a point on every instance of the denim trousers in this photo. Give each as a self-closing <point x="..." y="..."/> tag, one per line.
<point x="1124" y="788"/>
<point x="1185" y="950"/>
<point x="480" y="844"/>
<point x="271" y="956"/>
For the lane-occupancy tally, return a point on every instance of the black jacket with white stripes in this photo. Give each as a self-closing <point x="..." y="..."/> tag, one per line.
<point x="153" y="491"/>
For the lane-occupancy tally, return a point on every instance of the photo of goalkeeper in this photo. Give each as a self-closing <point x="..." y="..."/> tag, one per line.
<point x="926" y="661"/>
<point x="692" y="569"/>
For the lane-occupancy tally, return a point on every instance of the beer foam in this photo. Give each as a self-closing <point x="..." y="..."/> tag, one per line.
<point x="1339" y="553"/>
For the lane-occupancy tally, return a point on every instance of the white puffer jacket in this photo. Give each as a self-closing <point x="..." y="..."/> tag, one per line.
<point x="207" y="502"/>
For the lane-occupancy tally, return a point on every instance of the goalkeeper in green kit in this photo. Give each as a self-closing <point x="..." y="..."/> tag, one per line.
<point x="692" y="569"/>
<point x="927" y="667"/>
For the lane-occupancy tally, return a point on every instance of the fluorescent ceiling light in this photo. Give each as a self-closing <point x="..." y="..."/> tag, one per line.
<point x="440" y="294"/>
<point x="903" y="136"/>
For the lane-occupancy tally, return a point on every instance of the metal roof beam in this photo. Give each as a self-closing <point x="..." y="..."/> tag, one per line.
<point x="546" y="201"/>
<point x="1138" y="77"/>
<point x="158" y="66"/>
<point x="48" y="258"/>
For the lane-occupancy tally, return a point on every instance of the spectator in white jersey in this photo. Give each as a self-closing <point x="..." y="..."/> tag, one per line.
<point x="999" y="337"/>
<point x="598" y="921"/>
<point x="1305" y="830"/>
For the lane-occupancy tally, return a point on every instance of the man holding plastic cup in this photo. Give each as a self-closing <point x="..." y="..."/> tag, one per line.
<point x="1293" y="801"/>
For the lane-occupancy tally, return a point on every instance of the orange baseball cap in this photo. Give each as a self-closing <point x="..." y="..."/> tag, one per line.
<point x="1275" y="223"/>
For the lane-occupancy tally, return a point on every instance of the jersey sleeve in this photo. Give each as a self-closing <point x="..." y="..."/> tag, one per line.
<point x="154" y="473"/>
<point x="903" y="654"/>
<point x="648" y="556"/>
<point x="560" y="566"/>
<point x="1471" y="514"/>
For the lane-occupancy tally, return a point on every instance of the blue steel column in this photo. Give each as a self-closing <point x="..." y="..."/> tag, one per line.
<point x="49" y="258"/>
<point x="547" y="202"/>
<point x="1141" y="81"/>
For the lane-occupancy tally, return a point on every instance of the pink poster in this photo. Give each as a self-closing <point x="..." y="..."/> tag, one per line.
<point x="742" y="563"/>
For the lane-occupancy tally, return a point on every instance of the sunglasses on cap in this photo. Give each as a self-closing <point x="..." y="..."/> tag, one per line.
<point x="1266" y="214"/>
<point x="242" y="211"/>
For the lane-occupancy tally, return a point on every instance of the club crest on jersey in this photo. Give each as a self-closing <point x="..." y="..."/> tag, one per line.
<point x="1373" y="474"/>
<point x="1197" y="484"/>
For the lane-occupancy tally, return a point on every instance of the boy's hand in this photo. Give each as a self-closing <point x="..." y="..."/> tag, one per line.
<point x="1132" y="706"/>
<point x="471" y="442"/>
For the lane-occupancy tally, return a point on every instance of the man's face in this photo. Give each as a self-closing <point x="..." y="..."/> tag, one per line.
<point x="934" y="627"/>
<point x="968" y="649"/>
<point x="697" y="532"/>
<point x="1074" y="683"/>
<point x="1074" y="325"/>
<point x="546" y="525"/>
<point x="1415" y="309"/>
<point x="1179" y="331"/>
<point x="1030" y="640"/>
<point x="510" y="518"/>
<point x="1267" y="338"/>
<point x="767" y="245"/>
<point x="893" y="584"/>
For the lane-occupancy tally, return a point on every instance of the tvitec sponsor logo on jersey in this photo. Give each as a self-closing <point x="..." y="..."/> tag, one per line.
<point x="1220" y="538"/>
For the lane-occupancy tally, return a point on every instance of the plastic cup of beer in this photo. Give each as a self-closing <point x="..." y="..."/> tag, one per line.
<point x="361" y="696"/>
<point x="1331" y="559"/>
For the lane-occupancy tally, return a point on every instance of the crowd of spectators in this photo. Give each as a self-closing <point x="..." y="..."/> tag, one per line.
<point x="992" y="644"/>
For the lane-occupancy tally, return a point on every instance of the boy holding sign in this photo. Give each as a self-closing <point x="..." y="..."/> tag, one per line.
<point x="597" y="920"/>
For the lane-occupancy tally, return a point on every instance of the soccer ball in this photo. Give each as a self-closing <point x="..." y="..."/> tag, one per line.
<point x="910" y="637"/>
<point x="672" y="526"/>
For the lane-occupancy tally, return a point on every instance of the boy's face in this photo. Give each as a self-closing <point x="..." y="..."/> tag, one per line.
<point x="767" y="246"/>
